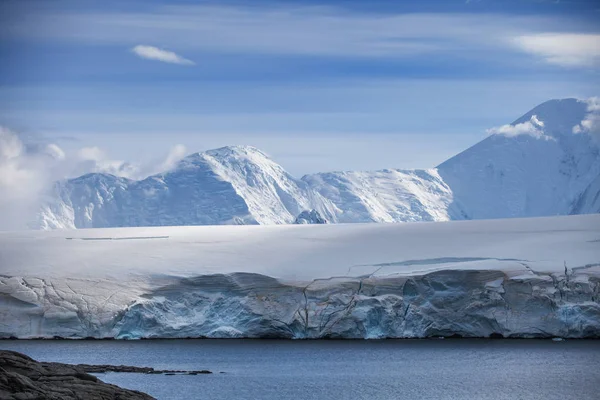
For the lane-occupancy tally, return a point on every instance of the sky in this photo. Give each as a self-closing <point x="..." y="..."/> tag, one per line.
<point x="130" y="87"/>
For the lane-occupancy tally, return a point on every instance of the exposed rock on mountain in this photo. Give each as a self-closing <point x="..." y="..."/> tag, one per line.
<point x="310" y="217"/>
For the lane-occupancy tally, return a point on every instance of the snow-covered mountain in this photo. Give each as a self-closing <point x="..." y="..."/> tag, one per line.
<point x="387" y="195"/>
<point x="538" y="166"/>
<point x="230" y="185"/>
<point x="545" y="163"/>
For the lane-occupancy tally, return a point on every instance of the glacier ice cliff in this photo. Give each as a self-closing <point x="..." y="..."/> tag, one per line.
<point x="474" y="303"/>
<point x="536" y="277"/>
<point x="466" y="303"/>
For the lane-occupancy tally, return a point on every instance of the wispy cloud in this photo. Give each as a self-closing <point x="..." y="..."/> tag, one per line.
<point x="565" y="49"/>
<point x="95" y="159"/>
<point x="154" y="53"/>
<point x="287" y="30"/>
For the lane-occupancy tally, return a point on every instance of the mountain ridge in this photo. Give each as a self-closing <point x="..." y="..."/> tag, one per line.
<point x="536" y="166"/>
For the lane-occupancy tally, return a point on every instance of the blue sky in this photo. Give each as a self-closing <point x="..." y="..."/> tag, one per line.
<point x="320" y="86"/>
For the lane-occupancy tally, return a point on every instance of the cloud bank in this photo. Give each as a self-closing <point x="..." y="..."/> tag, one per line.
<point x="29" y="169"/>
<point x="24" y="173"/>
<point x="564" y="49"/>
<point x="154" y="53"/>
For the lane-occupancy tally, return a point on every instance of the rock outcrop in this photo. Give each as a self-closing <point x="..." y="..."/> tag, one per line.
<point x="22" y="377"/>
<point x="310" y="217"/>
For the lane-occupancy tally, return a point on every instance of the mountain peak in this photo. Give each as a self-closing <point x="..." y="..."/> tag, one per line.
<point x="236" y="149"/>
<point x="523" y="174"/>
<point x="559" y="116"/>
<point x="227" y="155"/>
<point x="99" y="177"/>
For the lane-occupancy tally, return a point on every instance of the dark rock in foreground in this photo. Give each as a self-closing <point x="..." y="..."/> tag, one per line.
<point x="99" y="369"/>
<point x="23" y="378"/>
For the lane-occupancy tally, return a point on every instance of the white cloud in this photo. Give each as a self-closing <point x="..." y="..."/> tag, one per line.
<point x="176" y="153"/>
<point x="535" y="121"/>
<point x="54" y="151"/>
<point x="591" y="122"/>
<point x="91" y="153"/>
<point x="23" y="175"/>
<point x="94" y="159"/>
<point x="533" y="127"/>
<point x="10" y="146"/>
<point x="593" y="104"/>
<point x="565" y="49"/>
<point x="28" y="171"/>
<point x="154" y="53"/>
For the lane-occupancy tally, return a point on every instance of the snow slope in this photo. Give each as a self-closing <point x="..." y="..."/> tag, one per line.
<point x="230" y="185"/>
<point x="387" y="195"/>
<point x="545" y="172"/>
<point x="537" y="166"/>
<point x="473" y="278"/>
<point x="589" y="201"/>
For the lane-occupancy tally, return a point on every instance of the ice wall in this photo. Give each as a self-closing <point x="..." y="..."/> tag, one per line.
<point x="475" y="303"/>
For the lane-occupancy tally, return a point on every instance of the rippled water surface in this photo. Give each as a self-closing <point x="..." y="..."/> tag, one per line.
<point x="286" y="370"/>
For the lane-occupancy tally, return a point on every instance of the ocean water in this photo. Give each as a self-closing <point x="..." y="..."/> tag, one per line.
<point x="392" y="369"/>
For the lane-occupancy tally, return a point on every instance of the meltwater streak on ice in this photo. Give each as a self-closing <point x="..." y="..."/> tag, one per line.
<point x="519" y="277"/>
<point x="371" y="370"/>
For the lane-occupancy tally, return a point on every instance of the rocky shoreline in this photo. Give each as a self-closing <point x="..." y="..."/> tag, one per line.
<point x="22" y="377"/>
<point x="100" y="369"/>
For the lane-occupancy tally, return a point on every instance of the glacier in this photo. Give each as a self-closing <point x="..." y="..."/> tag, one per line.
<point x="521" y="277"/>
<point x="555" y="171"/>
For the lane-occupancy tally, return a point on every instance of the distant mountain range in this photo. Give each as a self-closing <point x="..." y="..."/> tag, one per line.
<point x="538" y="166"/>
